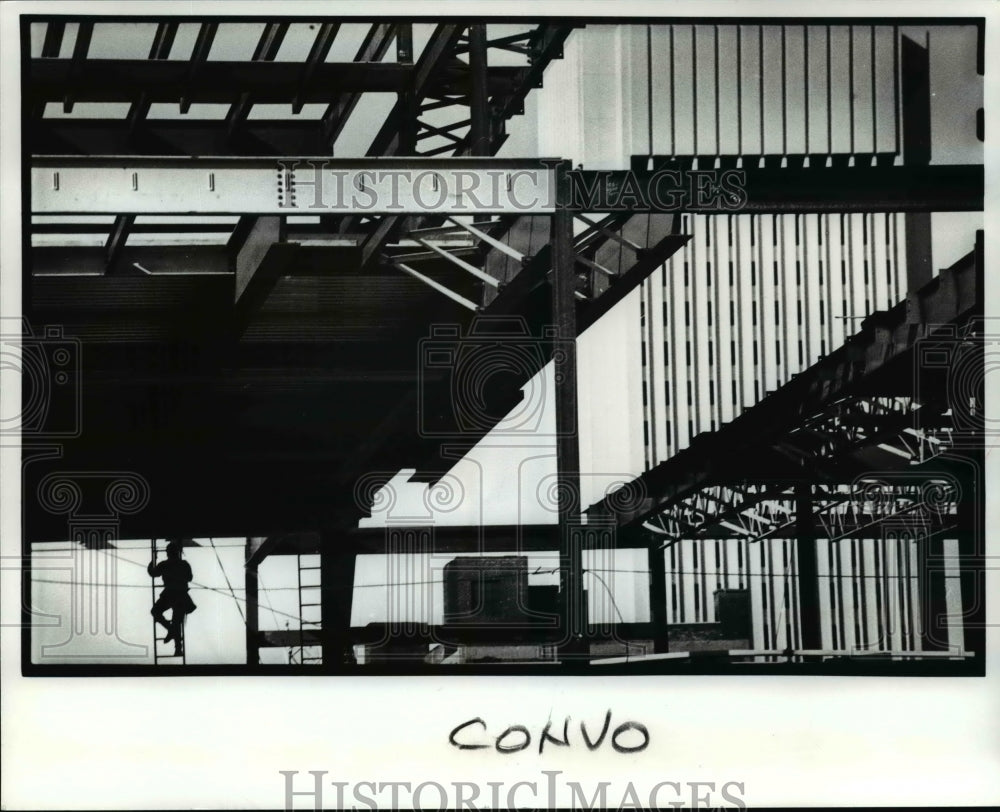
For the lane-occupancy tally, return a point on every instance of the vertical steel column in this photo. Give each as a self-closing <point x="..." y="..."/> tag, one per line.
<point x="250" y="587"/>
<point x="409" y="102"/>
<point x="404" y="43"/>
<point x="658" y="596"/>
<point x="572" y="608"/>
<point x="915" y="126"/>
<point x="114" y="246"/>
<point x="479" y="112"/>
<point x="336" y="595"/>
<point x="914" y="68"/>
<point x="971" y="563"/>
<point x="971" y="510"/>
<point x="932" y="594"/>
<point x="409" y="125"/>
<point x="805" y="529"/>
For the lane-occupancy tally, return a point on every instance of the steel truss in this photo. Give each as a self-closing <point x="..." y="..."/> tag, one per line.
<point x="762" y="510"/>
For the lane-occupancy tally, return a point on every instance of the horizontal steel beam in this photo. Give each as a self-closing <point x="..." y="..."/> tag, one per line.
<point x="455" y="297"/>
<point x="777" y="190"/>
<point x="648" y="261"/>
<point x="373" y="48"/>
<point x="123" y="80"/>
<point x="404" y="540"/>
<point x="162" y="80"/>
<point x="478" y="273"/>
<point x="186" y="258"/>
<point x="307" y="185"/>
<point x="181" y="136"/>
<point x="635" y="660"/>
<point x="289" y="638"/>
<point x="453" y="634"/>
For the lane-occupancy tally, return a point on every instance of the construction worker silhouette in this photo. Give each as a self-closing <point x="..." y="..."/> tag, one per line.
<point x="176" y="575"/>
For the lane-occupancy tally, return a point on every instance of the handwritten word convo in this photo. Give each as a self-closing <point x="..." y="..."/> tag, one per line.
<point x="474" y="734"/>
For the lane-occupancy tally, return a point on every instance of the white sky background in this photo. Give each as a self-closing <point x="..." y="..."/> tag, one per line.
<point x="214" y="632"/>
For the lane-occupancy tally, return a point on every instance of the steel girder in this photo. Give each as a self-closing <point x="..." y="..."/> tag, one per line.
<point x="843" y="416"/>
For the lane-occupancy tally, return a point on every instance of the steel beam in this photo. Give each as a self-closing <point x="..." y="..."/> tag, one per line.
<point x="122" y="80"/>
<point x="479" y="133"/>
<point x="779" y="190"/>
<point x="658" y="597"/>
<point x="914" y="71"/>
<point x="163" y="41"/>
<point x="404" y="43"/>
<point x="808" y="580"/>
<point x="115" y="244"/>
<point x="432" y="61"/>
<point x="372" y="49"/>
<point x="399" y="132"/>
<point x="288" y="638"/>
<point x="337" y="593"/>
<point x="250" y="584"/>
<point x="251" y="243"/>
<point x="433" y="72"/>
<point x="283" y="186"/>
<point x="259" y="257"/>
<point x="267" y="49"/>
<point x="501" y="634"/>
<point x="466" y="303"/>
<point x="195" y="137"/>
<point x="546" y="44"/>
<point x="52" y="43"/>
<point x="528" y="289"/>
<point x="573" y="610"/>
<point x="971" y="562"/>
<point x="933" y="593"/>
<point x="81" y="47"/>
<point x="952" y="298"/>
<point x="609" y="233"/>
<point x="289" y="544"/>
<point x="199" y="56"/>
<point x="490" y="241"/>
<point x="648" y="261"/>
<point x="317" y="55"/>
<point x="478" y="273"/>
<point x="80" y="255"/>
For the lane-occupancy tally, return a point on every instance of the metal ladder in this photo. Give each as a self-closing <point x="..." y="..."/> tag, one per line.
<point x="159" y="655"/>
<point x="310" y="606"/>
